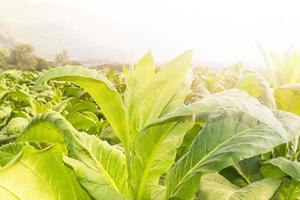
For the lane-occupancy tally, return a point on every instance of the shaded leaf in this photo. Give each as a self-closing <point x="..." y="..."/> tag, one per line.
<point x="214" y="186"/>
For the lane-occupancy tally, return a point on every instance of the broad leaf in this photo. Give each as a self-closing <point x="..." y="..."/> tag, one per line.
<point x="95" y="156"/>
<point x="103" y="92"/>
<point x="39" y="174"/>
<point x="290" y="190"/>
<point x="232" y="98"/>
<point x="285" y="69"/>
<point x="290" y="122"/>
<point x="101" y="169"/>
<point x="5" y="112"/>
<point x="155" y="150"/>
<point x="214" y="186"/>
<point x="258" y="87"/>
<point x="245" y="172"/>
<point x="136" y="83"/>
<point x="163" y="87"/>
<point x="55" y="130"/>
<point x="291" y="168"/>
<point x="228" y="137"/>
<point x="288" y="98"/>
<point x="14" y="126"/>
<point x="147" y="97"/>
<point x="83" y="121"/>
<point x="9" y="151"/>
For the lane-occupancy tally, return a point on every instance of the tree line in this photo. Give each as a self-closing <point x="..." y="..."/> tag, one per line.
<point x="22" y="57"/>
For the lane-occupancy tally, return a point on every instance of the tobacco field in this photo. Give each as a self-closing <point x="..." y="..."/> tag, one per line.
<point x="151" y="133"/>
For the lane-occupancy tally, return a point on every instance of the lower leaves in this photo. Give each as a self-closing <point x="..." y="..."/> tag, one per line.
<point x="93" y="159"/>
<point x="228" y="137"/>
<point x="215" y="186"/>
<point x="39" y="174"/>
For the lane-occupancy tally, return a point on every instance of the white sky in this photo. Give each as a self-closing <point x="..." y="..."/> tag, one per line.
<point x="219" y="31"/>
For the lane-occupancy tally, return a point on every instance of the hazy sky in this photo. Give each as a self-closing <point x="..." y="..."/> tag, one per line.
<point x="219" y="32"/>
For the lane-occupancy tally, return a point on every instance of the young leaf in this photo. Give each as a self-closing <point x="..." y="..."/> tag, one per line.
<point x="137" y="80"/>
<point x="148" y="100"/>
<point x="155" y="150"/>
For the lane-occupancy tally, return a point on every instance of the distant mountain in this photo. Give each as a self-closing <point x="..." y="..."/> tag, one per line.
<point x="53" y="26"/>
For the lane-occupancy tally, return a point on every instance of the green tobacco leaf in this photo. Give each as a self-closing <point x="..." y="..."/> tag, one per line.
<point x="231" y="174"/>
<point x="19" y="95"/>
<point x="60" y="107"/>
<point x="72" y="91"/>
<point x="39" y="174"/>
<point x="136" y="83"/>
<point x="291" y="168"/>
<point x="232" y="98"/>
<point x="228" y="137"/>
<point x="101" y="170"/>
<point x="82" y="121"/>
<point x="54" y="129"/>
<point x="288" y="98"/>
<point x="214" y="186"/>
<point x="249" y="169"/>
<point x="188" y="139"/>
<point x="290" y="190"/>
<point x="103" y="92"/>
<point x="159" y="193"/>
<point x="162" y="88"/>
<point x="257" y="87"/>
<point x="4" y="115"/>
<point x="290" y="122"/>
<point x="147" y="97"/>
<point x="92" y="181"/>
<point x="179" y="97"/>
<point x="245" y="172"/>
<point x="155" y="150"/>
<point x="271" y="171"/>
<point x="135" y="77"/>
<point x="285" y="69"/>
<point x="95" y="156"/>
<point x="83" y="106"/>
<point x="9" y="151"/>
<point x="26" y="98"/>
<point x="14" y="126"/>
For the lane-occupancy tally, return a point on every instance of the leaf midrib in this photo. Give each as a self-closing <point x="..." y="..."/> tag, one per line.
<point x="213" y="151"/>
<point x="10" y="192"/>
<point x="142" y="183"/>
